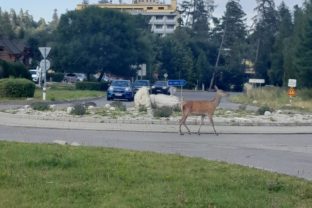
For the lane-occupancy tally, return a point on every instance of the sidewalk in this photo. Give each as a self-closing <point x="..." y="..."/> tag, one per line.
<point x="7" y="119"/>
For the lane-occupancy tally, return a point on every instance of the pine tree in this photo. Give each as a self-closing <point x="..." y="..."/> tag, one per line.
<point x="303" y="59"/>
<point x="282" y="46"/>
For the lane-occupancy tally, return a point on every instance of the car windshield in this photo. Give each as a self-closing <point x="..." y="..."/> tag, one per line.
<point x="120" y="83"/>
<point x="141" y="83"/>
<point x="33" y="72"/>
<point x="160" y="83"/>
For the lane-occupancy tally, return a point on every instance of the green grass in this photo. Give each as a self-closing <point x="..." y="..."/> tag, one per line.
<point x="36" y="175"/>
<point x="277" y="98"/>
<point x="60" y="92"/>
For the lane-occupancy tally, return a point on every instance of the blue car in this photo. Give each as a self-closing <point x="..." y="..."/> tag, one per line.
<point x="120" y="89"/>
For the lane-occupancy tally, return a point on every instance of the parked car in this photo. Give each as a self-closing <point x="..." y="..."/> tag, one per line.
<point x="81" y="77"/>
<point x="34" y="75"/>
<point x="70" y="77"/>
<point x="140" y="83"/>
<point x="161" y="87"/>
<point x="120" y="89"/>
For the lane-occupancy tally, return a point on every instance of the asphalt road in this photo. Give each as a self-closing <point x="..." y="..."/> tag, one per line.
<point x="284" y="153"/>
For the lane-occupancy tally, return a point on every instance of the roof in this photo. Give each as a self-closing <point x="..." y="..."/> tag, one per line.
<point x="13" y="46"/>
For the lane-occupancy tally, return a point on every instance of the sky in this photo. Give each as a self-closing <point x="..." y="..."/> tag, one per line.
<point x="45" y="8"/>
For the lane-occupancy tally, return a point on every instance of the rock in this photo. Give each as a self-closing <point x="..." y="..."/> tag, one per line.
<point x="142" y="98"/>
<point x="69" y="109"/>
<point x="254" y="102"/>
<point x="60" y="142"/>
<point x="161" y="100"/>
<point x="75" y="144"/>
<point x="267" y="113"/>
<point x="52" y="107"/>
<point x="279" y="112"/>
<point x="88" y="104"/>
<point x="107" y="105"/>
<point x="112" y="108"/>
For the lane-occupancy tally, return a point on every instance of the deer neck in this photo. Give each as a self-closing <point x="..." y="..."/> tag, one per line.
<point x="217" y="99"/>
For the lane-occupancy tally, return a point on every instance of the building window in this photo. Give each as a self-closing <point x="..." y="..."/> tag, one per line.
<point x="149" y="8"/>
<point x="159" y="26"/>
<point x="159" y="17"/>
<point x="170" y="17"/>
<point x="1" y="48"/>
<point x="170" y="26"/>
<point x="161" y="8"/>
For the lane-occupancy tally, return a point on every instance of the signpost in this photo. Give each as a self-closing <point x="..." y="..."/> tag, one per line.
<point x="177" y="83"/>
<point x="44" y="65"/>
<point x="292" y="84"/>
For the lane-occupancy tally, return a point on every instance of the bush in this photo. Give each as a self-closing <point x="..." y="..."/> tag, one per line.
<point x="40" y="106"/>
<point x="15" y="88"/>
<point x="164" y="111"/>
<point x="305" y="94"/>
<point x="13" y="70"/>
<point x="55" y="77"/>
<point x="99" y="86"/>
<point x="79" y="109"/>
<point x="118" y="105"/>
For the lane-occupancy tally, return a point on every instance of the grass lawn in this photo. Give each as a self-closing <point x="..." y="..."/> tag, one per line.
<point x="41" y="175"/>
<point x="59" y="92"/>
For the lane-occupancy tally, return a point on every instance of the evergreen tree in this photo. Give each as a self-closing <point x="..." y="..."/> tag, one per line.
<point x="263" y="37"/>
<point x="282" y="46"/>
<point x="303" y="59"/>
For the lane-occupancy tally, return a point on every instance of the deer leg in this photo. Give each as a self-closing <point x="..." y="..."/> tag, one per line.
<point x="182" y="121"/>
<point x="201" y="123"/>
<point x="212" y="123"/>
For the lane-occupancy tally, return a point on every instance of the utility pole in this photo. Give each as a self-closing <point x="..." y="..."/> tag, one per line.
<point x="217" y="61"/>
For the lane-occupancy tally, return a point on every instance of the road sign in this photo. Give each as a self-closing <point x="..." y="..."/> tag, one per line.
<point x="292" y="83"/>
<point x="256" y="81"/>
<point x="176" y="82"/>
<point x="45" y="64"/>
<point x="44" y="51"/>
<point x="292" y="92"/>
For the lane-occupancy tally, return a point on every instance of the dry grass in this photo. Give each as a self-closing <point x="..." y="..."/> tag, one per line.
<point x="277" y="98"/>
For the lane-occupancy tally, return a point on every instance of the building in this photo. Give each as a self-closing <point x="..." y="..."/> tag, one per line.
<point x="163" y="17"/>
<point x="13" y="51"/>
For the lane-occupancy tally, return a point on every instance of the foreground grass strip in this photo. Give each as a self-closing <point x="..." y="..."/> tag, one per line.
<point x="36" y="175"/>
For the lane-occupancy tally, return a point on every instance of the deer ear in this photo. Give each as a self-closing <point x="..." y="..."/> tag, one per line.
<point x="216" y="88"/>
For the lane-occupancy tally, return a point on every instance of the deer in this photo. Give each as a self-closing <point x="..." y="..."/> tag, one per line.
<point x="201" y="108"/>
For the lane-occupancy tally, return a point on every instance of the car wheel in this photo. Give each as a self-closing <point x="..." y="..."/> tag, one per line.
<point x="108" y="98"/>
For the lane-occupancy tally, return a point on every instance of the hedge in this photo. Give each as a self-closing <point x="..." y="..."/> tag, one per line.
<point x="99" y="86"/>
<point x="15" y="88"/>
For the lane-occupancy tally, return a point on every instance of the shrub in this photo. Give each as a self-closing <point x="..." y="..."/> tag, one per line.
<point x="99" y="86"/>
<point x="305" y="94"/>
<point x="13" y="70"/>
<point x="55" y="77"/>
<point x="78" y="109"/>
<point x="119" y="105"/>
<point x="164" y="111"/>
<point x="40" y="106"/>
<point x="15" y="88"/>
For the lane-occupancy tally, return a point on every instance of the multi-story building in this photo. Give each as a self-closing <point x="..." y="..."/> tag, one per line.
<point x="163" y="17"/>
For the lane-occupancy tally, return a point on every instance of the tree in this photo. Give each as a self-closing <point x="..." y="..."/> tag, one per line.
<point x="101" y="40"/>
<point x="232" y="46"/>
<point x="281" y="46"/>
<point x="263" y="37"/>
<point x="303" y="60"/>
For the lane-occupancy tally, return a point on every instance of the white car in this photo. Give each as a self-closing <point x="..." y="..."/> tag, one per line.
<point x="34" y="74"/>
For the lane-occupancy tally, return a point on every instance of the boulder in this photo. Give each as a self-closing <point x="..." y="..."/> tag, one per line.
<point x="142" y="98"/>
<point x="161" y="100"/>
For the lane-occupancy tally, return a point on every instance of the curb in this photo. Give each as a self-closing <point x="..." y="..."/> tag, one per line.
<point x="158" y="126"/>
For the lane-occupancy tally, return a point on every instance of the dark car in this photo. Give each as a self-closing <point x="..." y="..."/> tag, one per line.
<point x="140" y="83"/>
<point x="161" y="87"/>
<point x="120" y="89"/>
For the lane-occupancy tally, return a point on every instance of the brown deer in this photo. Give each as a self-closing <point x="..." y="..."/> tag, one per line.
<point x="201" y="108"/>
